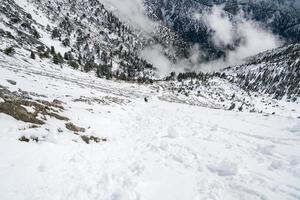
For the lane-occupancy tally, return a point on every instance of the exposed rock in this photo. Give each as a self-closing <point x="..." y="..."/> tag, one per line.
<point x="106" y="100"/>
<point x="24" y="139"/>
<point x="70" y="126"/>
<point x="32" y="138"/>
<point x="33" y="126"/>
<point x="12" y="104"/>
<point x="53" y="104"/>
<point x="88" y="139"/>
<point x="12" y="82"/>
<point x="57" y="102"/>
<point x="232" y="106"/>
<point x="57" y="116"/>
<point x="241" y="108"/>
<point x="18" y="112"/>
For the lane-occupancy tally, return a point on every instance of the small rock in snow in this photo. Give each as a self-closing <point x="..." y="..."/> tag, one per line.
<point x="12" y="82"/>
<point x="232" y="106"/>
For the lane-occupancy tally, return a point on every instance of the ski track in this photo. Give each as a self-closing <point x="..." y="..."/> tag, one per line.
<point x="155" y="150"/>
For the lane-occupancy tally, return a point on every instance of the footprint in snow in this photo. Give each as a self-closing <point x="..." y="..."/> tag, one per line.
<point x="276" y="164"/>
<point x="41" y="168"/>
<point x="266" y="150"/>
<point x="172" y="133"/>
<point x="293" y="160"/>
<point x="224" y="168"/>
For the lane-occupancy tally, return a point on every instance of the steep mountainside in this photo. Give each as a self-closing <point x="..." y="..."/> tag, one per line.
<point x="82" y="34"/>
<point x="86" y="36"/>
<point x="281" y="17"/>
<point x="182" y="21"/>
<point x="275" y="72"/>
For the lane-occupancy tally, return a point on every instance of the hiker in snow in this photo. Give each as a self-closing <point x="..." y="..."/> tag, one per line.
<point x="146" y="100"/>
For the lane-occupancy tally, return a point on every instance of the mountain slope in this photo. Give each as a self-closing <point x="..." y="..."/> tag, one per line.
<point x="275" y="72"/>
<point x="100" y="140"/>
<point x="69" y="133"/>
<point x="281" y="17"/>
<point x="66" y="34"/>
<point x="84" y="34"/>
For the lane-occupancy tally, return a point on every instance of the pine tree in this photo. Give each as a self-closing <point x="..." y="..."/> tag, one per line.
<point x="55" y="33"/>
<point x="57" y="59"/>
<point x="61" y="59"/>
<point x="52" y="51"/>
<point x="9" y="51"/>
<point x="32" y="55"/>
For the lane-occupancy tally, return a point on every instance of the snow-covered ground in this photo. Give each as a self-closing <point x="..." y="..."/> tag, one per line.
<point x="154" y="150"/>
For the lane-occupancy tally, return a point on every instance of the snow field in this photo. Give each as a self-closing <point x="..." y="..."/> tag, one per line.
<point x="155" y="150"/>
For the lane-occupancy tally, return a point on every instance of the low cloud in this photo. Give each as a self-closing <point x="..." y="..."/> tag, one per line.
<point x="220" y="23"/>
<point x="252" y="36"/>
<point x="133" y="11"/>
<point x="155" y="55"/>
<point x="226" y="31"/>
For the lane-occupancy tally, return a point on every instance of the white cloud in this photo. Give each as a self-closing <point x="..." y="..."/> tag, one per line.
<point x="220" y="23"/>
<point x="254" y="38"/>
<point x="133" y="10"/>
<point x="154" y="54"/>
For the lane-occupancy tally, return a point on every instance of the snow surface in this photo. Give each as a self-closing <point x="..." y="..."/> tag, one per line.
<point x="156" y="150"/>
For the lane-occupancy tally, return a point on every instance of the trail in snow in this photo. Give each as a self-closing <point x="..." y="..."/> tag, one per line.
<point x="155" y="150"/>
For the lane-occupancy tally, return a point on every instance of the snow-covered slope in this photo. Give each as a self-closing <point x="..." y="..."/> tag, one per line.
<point x="85" y="35"/>
<point x="68" y="133"/>
<point x="275" y="72"/>
<point x="82" y="34"/>
<point x="100" y="139"/>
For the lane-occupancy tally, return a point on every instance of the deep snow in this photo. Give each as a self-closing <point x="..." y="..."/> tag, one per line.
<point x="156" y="150"/>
